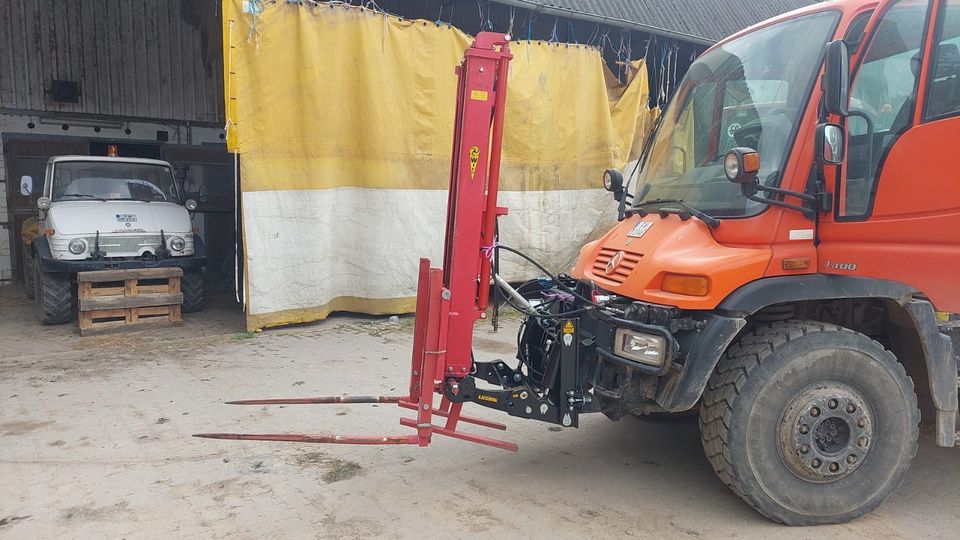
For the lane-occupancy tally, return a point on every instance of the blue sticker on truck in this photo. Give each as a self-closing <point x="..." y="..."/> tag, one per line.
<point x="126" y="218"/>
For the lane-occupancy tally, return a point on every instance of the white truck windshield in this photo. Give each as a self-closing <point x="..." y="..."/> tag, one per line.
<point x="77" y="180"/>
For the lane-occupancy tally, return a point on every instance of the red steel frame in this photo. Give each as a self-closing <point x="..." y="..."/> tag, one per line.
<point x="449" y="300"/>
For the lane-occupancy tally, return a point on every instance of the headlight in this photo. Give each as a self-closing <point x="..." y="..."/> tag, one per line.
<point x="177" y="243"/>
<point x="643" y="348"/>
<point x="731" y="166"/>
<point x="77" y="246"/>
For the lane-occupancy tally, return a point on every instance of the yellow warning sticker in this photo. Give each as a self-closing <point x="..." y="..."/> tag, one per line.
<point x="485" y="397"/>
<point x="568" y="327"/>
<point x="474" y="159"/>
<point x="479" y="95"/>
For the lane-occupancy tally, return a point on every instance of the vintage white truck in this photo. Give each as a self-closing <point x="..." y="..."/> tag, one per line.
<point x="102" y="213"/>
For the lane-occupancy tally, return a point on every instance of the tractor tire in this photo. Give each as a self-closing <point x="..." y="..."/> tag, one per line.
<point x="54" y="296"/>
<point x="28" y="272"/>
<point x="191" y="285"/>
<point x="810" y="423"/>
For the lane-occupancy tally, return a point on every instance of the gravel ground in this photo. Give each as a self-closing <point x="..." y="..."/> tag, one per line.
<point x="95" y="443"/>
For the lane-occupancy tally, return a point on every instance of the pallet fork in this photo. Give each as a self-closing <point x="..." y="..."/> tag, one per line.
<point x="451" y="299"/>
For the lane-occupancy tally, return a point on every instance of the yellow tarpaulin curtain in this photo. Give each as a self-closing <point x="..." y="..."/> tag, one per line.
<point x="344" y="121"/>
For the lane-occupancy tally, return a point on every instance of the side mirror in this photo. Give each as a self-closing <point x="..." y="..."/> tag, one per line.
<point x="26" y="185"/>
<point x="741" y="165"/>
<point x="613" y="182"/>
<point x="829" y="144"/>
<point x="836" y="78"/>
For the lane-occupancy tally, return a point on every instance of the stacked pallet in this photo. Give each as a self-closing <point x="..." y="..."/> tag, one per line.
<point x="111" y="299"/>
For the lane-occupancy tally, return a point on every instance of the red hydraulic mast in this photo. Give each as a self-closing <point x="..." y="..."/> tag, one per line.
<point x="449" y="299"/>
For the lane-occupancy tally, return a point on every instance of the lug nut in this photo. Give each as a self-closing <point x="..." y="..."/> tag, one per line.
<point x="815" y="412"/>
<point x="862" y="423"/>
<point x="851" y="408"/>
<point x="804" y="429"/>
<point x="815" y="463"/>
<point x="834" y="467"/>
<point x="833" y="404"/>
<point x="862" y="442"/>
<point x="851" y="459"/>
<point x="804" y="449"/>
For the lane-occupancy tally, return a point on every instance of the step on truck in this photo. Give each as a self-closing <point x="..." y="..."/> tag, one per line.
<point x="103" y="213"/>
<point x="785" y="243"/>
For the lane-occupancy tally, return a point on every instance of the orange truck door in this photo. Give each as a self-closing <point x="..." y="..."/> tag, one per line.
<point x="897" y="209"/>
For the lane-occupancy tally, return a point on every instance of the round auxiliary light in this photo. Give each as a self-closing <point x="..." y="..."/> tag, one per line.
<point x="190" y="204"/>
<point x="77" y="246"/>
<point x="731" y="166"/>
<point x="177" y="243"/>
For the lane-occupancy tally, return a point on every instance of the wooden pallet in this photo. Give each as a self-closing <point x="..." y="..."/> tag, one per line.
<point x="112" y="299"/>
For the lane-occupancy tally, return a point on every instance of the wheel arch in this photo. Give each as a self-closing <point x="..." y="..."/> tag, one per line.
<point x="893" y="313"/>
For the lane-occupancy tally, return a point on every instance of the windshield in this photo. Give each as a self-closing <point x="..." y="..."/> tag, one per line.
<point x="77" y="180"/>
<point x="749" y="92"/>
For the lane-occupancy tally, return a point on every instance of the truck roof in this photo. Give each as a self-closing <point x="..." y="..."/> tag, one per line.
<point x="846" y="6"/>
<point x="143" y="161"/>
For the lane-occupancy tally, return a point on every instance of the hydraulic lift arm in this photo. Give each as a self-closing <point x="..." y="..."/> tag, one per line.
<point x="451" y="299"/>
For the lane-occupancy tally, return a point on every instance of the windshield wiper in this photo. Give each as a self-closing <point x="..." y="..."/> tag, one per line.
<point x="131" y="199"/>
<point x="685" y="211"/>
<point x="82" y="196"/>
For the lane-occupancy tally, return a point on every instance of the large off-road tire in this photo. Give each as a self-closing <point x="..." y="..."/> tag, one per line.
<point x="810" y="423"/>
<point x="54" y="297"/>
<point x="29" y="272"/>
<point x="191" y="285"/>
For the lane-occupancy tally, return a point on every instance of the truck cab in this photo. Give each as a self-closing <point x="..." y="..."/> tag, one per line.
<point x="786" y="242"/>
<point x="100" y="213"/>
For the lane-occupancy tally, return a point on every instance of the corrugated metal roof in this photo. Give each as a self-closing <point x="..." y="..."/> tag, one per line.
<point x="704" y="21"/>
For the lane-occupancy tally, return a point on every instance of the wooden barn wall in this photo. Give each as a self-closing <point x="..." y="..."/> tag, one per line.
<point x="145" y="59"/>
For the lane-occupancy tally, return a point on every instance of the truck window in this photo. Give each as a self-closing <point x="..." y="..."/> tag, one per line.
<point x="943" y="90"/>
<point x="885" y="93"/>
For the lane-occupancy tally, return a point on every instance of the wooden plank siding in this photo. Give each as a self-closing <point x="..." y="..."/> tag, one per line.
<point x="133" y="59"/>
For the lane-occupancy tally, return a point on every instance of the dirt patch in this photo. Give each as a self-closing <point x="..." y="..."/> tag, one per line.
<point x="495" y="346"/>
<point x="23" y="427"/>
<point x="339" y="469"/>
<point x="12" y="519"/>
<point x="89" y="512"/>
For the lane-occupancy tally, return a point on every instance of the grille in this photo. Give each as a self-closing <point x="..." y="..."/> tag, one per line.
<point x="629" y="262"/>
<point x="125" y="244"/>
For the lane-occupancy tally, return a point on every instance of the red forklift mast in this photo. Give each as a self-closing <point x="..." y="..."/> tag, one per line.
<point x="450" y="299"/>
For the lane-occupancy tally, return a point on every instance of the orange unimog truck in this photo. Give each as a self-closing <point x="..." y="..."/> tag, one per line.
<point x="786" y="241"/>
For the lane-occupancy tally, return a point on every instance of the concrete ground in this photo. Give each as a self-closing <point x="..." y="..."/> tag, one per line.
<point x="95" y="442"/>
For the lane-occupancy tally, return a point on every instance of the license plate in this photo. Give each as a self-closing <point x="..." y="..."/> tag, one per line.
<point x="126" y="218"/>
<point x="640" y="229"/>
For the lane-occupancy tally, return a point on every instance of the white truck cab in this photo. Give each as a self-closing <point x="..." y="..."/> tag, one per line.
<point x="100" y="213"/>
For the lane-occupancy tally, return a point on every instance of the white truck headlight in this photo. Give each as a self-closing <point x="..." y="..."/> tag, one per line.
<point x="177" y="243"/>
<point x="644" y="348"/>
<point x="77" y="246"/>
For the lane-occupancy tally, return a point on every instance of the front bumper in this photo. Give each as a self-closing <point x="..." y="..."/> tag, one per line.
<point x="48" y="264"/>
<point x="691" y="356"/>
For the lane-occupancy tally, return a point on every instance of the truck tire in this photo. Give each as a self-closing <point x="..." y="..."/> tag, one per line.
<point x="191" y="285"/>
<point x="54" y="296"/>
<point x="28" y="272"/>
<point x="810" y="423"/>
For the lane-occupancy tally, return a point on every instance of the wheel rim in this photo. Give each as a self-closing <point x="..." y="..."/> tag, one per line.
<point x="826" y="432"/>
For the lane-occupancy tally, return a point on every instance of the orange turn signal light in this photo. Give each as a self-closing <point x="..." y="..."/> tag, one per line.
<point x="686" y="285"/>
<point x="48" y="232"/>
<point x="802" y="263"/>
<point x="751" y="162"/>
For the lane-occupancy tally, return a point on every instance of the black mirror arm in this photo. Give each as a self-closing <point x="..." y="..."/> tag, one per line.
<point x="750" y="192"/>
